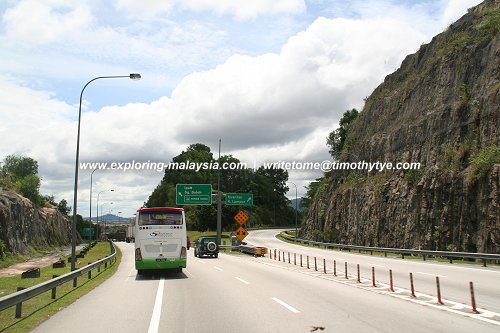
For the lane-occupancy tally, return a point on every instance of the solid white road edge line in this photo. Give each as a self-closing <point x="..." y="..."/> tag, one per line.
<point x="441" y="276"/>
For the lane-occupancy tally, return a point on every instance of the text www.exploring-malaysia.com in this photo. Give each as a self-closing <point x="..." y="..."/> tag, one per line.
<point x="286" y="165"/>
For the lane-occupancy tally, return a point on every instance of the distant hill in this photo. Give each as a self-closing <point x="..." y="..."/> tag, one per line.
<point x="299" y="202"/>
<point x="109" y="218"/>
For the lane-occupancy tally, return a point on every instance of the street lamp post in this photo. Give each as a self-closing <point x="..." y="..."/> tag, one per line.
<point x="90" y="208"/>
<point x="97" y="207"/>
<point x="133" y="76"/>
<point x="296" y="211"/>
<point x="104" y="220"/>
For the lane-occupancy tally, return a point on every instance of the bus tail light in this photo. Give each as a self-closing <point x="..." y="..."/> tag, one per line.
<point x="183" y="252"/>
<point x="138" y="255"/>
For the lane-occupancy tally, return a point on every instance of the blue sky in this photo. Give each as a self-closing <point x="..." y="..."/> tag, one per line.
<point x="283" y="70"/>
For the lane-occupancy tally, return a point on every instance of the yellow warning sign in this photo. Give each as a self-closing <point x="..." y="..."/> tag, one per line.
<point x="241" y="217"/>
<point x="241" y="233"/>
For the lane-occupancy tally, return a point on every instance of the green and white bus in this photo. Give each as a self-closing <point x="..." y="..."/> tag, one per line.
<point x="160" y="239"/>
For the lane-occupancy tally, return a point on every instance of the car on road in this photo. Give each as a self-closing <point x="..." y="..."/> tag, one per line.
<point x="206" y="246"/>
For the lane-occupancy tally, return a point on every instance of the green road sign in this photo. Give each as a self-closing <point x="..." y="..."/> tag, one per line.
<point x="193" y="194"/>
<point x="88" y="232"/>
<point x="239" y="199"/>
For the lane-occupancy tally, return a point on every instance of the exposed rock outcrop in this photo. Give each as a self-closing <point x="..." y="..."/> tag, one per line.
<point x="22" y="224"/>
<point x="440" y="108"/>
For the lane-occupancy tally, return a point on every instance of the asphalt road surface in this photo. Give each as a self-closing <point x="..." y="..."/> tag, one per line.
<point x="240" y="293"/>
<point x="453" y="278"/>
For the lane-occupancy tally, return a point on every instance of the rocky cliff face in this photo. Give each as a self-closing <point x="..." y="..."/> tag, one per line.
<point x="22" y="224"/>
<point x="441" y="109"/>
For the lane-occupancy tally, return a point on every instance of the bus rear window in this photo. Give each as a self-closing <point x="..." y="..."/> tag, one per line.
<point x="160" y="218"/>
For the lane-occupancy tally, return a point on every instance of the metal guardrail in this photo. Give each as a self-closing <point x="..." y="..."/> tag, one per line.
<point x="266" y="228"/>
<point x="403" y="252"/>
<point x="28" y="293"/>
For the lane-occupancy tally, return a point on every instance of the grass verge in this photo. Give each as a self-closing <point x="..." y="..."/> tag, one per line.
<point x="41" y="307"/>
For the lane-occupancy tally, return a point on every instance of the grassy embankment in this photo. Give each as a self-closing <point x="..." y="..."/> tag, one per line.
<point x="39" y="308"/>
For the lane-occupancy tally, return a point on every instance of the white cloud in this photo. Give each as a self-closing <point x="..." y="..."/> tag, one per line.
<point x="242" y="10"/>
<point x="37" y="22"/>
<point x="276" y="98"/>
<point x="38" y="114"/>
<point x="271" y="107"/>
<point x="456" y="9"/>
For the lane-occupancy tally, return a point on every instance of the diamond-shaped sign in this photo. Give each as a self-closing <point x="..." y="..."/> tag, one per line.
<point x="241" y="233"/>
<point x="241" y="217"/>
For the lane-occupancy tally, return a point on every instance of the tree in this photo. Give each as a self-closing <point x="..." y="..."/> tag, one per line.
<point x="63" y="207"/>
<point x="20" y="166"/>
<point x="336" y="139"/>
<point x="30" y="187"/>
<point x="268" y="187"/>
<point x="314" y="190"/>
<point x="232" y="180"/>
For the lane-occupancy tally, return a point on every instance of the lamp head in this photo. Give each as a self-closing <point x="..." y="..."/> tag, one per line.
<point x="135" y="76"/>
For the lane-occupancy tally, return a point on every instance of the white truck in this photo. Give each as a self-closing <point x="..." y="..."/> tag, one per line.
<point x="130" y="234"/>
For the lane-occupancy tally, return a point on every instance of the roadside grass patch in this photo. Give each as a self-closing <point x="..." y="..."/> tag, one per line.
<point x="42" y="307"/>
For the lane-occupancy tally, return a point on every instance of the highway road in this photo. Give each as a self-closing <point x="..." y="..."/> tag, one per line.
<point x="453" y="278"/>
<point x="240" y="293"/>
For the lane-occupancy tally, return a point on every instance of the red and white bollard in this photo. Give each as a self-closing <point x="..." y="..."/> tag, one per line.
<point x="315" y="264"/>
<point x="411" y="286"/>
<point x="307" y="262"/>
<point x="288" y="257"/>
<point x="390" y="281"/>
<point x="334" y="267"/>
<point x="346" y="270"/>
<point x="295" y="259"/>
<point x="438" y="291"/>
<point x="324" y="265"/>
<point x="301" y="260"/>
<point x="359" y="277"/>
<point x="373" y="277"/>
<point x="473" y="298"/>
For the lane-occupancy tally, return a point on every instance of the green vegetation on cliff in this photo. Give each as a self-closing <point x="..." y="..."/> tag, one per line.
<point x="440" y="109"/>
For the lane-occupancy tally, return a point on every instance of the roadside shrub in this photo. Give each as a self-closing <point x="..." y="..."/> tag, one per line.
<point x="482" y="161"/>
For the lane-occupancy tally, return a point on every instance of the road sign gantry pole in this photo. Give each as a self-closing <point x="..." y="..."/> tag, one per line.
<point x="219" y="204"/>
